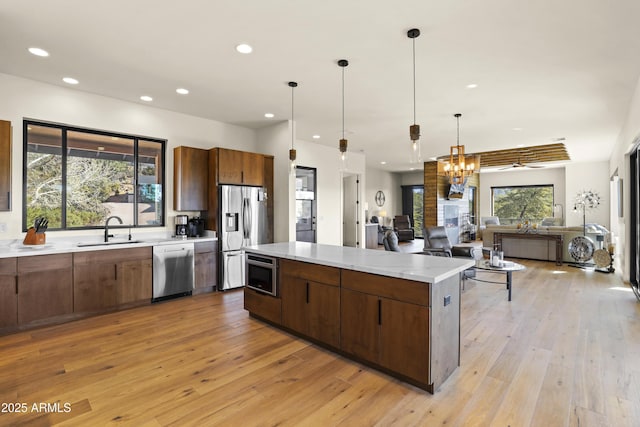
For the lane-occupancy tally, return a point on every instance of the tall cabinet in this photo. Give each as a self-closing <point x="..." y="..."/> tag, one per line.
<point x="190" y="178"/>
<point x="5" y="165"/>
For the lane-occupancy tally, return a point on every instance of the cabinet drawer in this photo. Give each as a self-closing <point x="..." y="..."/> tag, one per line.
<point x="112" y="255"/>
<point x="314" y="272"/>
<point x="204" y="247"/>
<point x="388" y="287"/>
<point x="30" y="264"/>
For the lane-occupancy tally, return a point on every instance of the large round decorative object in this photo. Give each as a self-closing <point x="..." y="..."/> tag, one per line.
<point x="581" y="248"/>
<point x="602" y="258"/>
<point x="380" y="199"/>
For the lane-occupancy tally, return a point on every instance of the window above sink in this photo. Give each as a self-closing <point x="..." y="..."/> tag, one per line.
<point x="78" y="177"/>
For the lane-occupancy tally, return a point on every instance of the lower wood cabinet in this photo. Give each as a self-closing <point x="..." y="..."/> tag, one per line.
<point x="407" y="328"/>
<point x="262" y="305"/>
<point x="311" y="300"/>
<point x="45" y="287"/>
<point x="206" y="272"/>
<point x="389" y="333"/>
<point x="135" y="281"/>
<point x="105" y="279"/>
<point x="8" y="293"/>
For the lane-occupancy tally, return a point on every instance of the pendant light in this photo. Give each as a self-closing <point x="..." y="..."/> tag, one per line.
<point x="292" y="151"/>
<point x="414" y="130"/>
<point x="343" y="142"/>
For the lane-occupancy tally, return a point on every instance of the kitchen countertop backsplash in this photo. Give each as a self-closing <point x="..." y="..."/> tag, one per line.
<point x="84" y="243"/>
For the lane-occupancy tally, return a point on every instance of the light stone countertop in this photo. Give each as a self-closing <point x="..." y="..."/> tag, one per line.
<point x="421" y="268"/>
<point x="60" y="245"/>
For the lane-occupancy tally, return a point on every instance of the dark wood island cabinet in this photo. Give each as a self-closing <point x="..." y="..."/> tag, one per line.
<point x="407" y="328"/>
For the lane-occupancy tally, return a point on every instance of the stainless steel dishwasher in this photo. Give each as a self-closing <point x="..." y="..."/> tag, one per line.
<point x="173" y="270"/>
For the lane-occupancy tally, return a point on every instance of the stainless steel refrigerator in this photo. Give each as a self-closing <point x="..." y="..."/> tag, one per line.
<point x="243" y="222"/>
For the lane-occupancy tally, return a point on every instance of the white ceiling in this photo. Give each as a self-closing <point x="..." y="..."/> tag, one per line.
<point x="555" y="69"/>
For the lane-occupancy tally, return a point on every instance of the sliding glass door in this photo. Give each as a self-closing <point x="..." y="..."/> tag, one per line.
<point x="634" y="237"/>
<point x="412" y="205"/>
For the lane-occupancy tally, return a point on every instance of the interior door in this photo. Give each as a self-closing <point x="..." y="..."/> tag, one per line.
<point x="306" y="205"/>
<point x="350" y="211"/>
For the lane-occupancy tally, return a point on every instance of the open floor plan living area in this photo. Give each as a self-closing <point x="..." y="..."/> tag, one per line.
<point x="337" y="213"/>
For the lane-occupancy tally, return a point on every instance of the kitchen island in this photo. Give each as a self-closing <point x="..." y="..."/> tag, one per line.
<point x="396" y="312"/>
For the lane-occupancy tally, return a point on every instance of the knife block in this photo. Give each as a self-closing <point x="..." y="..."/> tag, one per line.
<point x="33" y="238"/>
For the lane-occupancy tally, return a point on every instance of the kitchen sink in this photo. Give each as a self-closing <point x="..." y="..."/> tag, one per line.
<point x="117" y="242"/>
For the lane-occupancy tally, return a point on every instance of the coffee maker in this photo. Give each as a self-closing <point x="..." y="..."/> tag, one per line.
<point x="182" y="227"/>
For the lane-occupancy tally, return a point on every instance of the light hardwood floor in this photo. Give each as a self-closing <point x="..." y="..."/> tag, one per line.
<point x="564" y="352"/>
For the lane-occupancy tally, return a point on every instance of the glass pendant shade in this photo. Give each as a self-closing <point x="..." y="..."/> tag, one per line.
<point x="292" y="162"/>
<point x="343" y="155"/>
<point x="414" y="133"/>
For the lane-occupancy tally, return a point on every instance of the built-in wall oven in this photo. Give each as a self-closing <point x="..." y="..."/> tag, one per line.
<point x="262" y="273"/>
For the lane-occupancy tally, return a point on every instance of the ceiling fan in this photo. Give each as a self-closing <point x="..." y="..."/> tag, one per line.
<point x="519" y="164"/>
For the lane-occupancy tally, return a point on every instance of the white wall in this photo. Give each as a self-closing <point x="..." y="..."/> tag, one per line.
<point x="24" y="98"/>
<point x="389" y="184"/>
<point x="629" y="135"/>
<point x="276" y="140"/>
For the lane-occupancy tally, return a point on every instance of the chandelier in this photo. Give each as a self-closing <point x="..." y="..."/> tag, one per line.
<point x="460" y="166"/>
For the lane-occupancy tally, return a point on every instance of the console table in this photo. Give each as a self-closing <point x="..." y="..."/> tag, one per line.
<point x="558" y="238"/>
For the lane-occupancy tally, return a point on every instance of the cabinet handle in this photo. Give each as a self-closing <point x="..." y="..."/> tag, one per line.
<point x="16" y="286"/>
<point x="379" y="312"/>
<point x="307" y="292"/>
<point x="115" y="272"/>
<point x="9" y="200"/>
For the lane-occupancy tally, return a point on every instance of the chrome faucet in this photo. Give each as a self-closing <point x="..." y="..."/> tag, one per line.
<point x="106" y="227"/>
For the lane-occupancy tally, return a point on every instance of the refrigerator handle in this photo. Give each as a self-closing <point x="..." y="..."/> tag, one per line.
<point x="245" y="220"/>
<point x="249" y="219"/>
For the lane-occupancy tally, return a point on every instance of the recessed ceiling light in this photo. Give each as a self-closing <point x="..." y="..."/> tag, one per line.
<point x="269" y="115"/>
<point x="244" y="48"/>
<point x="472" y="86"/>
<point x="383" y="163"/>
<point x="433" y="158"/>
<point x="70" y="80"/>
<point x="182" y="91"/>
<point x="516" y="129"/>
<point x="38" y="52"/>
<point x="520" y="145"/>
<point x="412" y="169"/>
<point x="146" y="98"/>
<point x="316" y="137"/>
<point x="558" y="139"/>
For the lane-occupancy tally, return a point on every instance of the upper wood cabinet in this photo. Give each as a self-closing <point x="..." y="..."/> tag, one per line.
<point x="240" y="167"/>
<point x="5" y="165"/>
<point x="190" y="178"/>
